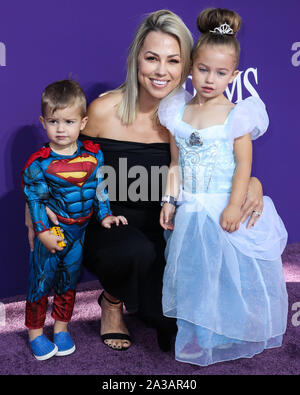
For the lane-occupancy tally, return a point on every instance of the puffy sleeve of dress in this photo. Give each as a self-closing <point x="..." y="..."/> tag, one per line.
<point x="248" y="116"/>
<point x="169" y="108"/>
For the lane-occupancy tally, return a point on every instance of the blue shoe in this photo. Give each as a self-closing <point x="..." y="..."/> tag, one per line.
<point x="42" y="348"/>
<point x="64" y="344"/>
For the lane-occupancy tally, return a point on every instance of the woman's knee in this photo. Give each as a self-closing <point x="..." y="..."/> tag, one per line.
<point x="125" y="253"/>
<point x="136" y="251"/>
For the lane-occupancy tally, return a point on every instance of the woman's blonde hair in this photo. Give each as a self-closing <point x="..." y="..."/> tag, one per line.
<point x="163" y="21"/>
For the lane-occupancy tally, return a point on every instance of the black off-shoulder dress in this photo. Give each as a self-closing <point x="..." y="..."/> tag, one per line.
<point x="129" y="259"/>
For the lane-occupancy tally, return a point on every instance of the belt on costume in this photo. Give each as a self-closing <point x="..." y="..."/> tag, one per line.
<point x="71" y="221"/>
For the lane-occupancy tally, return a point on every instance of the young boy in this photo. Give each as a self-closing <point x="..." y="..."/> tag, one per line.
<point x="64" y="175"/>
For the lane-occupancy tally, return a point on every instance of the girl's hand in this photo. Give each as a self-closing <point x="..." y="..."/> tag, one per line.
<point x="28" y="222"/>
<point x="253" y="202"/>
<point x="231" y="218"/>
<point x="108" y="221"/>
<point x="166" y="216"/>
<point x="50" y="241"/>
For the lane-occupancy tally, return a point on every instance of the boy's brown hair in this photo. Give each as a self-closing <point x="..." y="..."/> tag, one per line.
<point x="62" y="94"/>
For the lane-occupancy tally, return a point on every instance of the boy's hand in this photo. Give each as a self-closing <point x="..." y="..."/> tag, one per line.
<point x="166" y="216"/>
<point x="50" y="241"/>
<point x="31" y="234"/>
<point x="231" y="218"/>
<point x="108" y="221"/>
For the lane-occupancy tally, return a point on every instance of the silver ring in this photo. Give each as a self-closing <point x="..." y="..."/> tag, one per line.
<point x="258" y="213"/>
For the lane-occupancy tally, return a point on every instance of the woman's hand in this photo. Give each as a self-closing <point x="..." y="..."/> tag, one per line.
<point x="253" y="204"/>
<point x="111" y="219"/>
<point x="166" y="216"/>
<point x="28" y="222"/>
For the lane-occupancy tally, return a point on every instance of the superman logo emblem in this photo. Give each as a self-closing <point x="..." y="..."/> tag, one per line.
<point x="75" y="171"/>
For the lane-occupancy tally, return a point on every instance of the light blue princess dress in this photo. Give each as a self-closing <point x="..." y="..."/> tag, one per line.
<point x="227" y="290"/>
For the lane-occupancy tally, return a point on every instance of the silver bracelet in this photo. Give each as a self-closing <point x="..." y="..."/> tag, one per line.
<point x="168" y="199"/>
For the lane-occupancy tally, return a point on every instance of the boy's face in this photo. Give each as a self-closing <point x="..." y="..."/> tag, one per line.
<point x="63" y="126"/>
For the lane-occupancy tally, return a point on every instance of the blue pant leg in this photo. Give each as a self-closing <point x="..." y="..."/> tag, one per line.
<point x="69" y="265"/>
<point x="42" y="269"/>
<point x="67" y="274"/>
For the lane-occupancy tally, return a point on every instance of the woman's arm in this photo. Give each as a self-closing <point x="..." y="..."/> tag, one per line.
<point x="172" y="187"/>
<point x="253" y="203"/>
<point x="231" y="216"/>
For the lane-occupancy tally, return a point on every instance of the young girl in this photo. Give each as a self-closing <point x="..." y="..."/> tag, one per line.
<point x="223" y="282"/>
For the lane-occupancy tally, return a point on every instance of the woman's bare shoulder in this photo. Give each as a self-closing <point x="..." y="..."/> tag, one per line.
<point x="101" y="111"/>
<point x="105" y="103"/>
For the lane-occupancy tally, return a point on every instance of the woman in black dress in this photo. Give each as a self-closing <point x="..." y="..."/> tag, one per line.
<point x="128" y="259"/>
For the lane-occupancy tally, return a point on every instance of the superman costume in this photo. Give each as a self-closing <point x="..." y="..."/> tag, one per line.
<point x="71" y="186"/>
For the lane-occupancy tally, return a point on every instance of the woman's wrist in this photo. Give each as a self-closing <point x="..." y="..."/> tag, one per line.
<point x="256" y="185"/>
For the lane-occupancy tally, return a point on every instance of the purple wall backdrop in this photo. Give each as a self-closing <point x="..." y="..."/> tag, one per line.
<point x="44" y="41"/>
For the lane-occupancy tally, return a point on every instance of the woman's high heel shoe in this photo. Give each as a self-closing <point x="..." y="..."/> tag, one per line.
<point x="113" y="336"/>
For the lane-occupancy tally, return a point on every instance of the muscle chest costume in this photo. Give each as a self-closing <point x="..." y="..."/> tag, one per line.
<point x="72" y="187"/>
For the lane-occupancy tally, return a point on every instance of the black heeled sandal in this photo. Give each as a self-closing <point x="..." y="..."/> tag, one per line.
<point x="113" y="336"/>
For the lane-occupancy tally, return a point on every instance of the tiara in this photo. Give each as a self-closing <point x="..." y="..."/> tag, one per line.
<point x="222" y="29"/>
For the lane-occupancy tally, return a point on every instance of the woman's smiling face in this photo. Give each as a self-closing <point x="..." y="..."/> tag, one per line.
<point x="159" y="65"/>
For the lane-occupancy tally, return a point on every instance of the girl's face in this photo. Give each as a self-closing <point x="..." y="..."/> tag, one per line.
<point x="159" y="65"/>
<point x="213" y="69"/>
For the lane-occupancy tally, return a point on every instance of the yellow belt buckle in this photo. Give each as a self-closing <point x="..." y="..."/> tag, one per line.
<point x="58" y="232"/>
